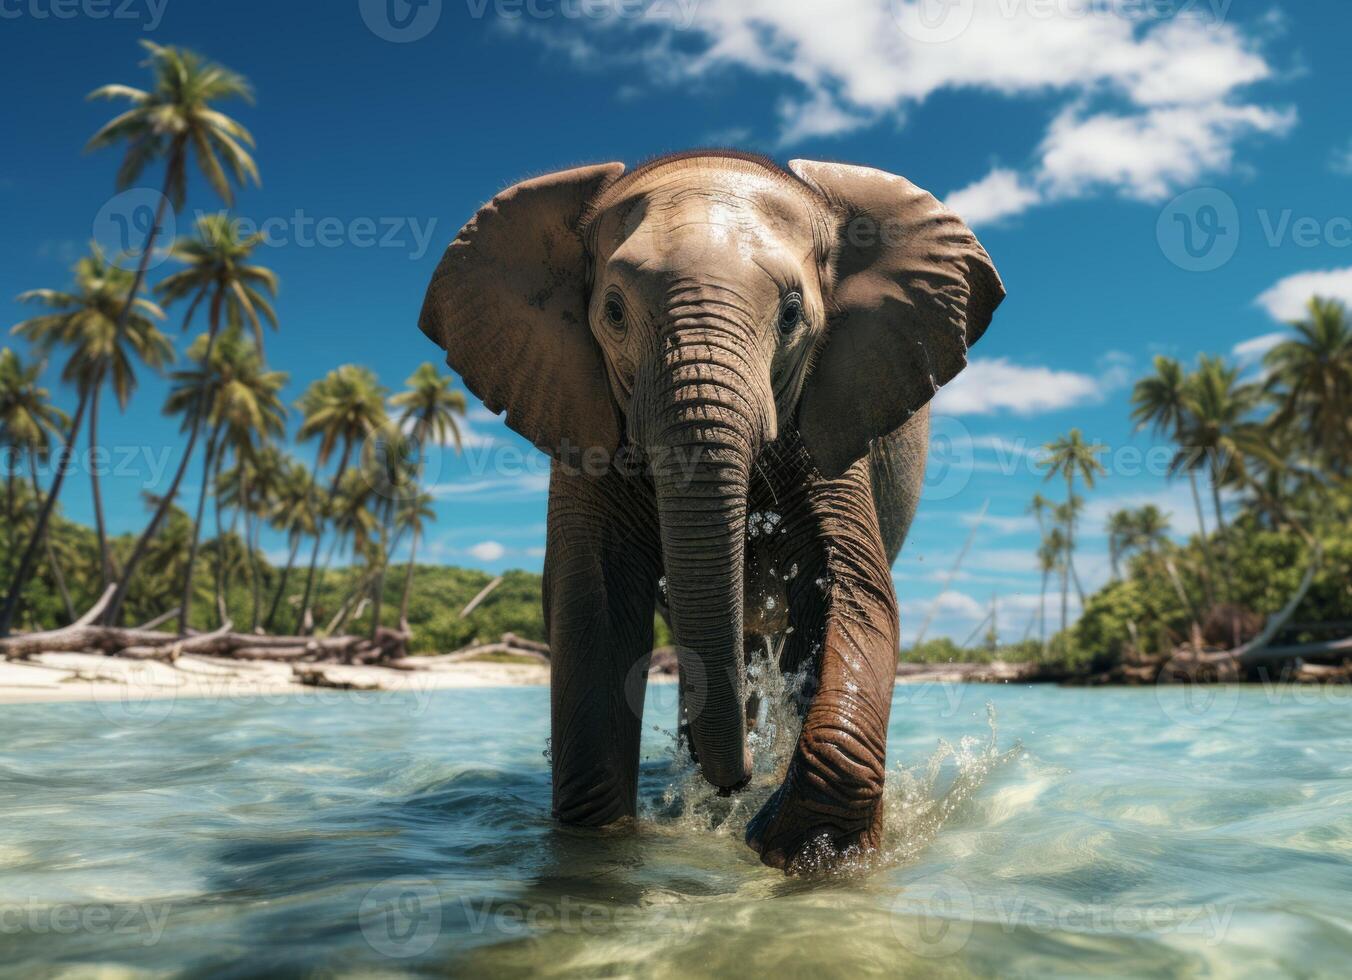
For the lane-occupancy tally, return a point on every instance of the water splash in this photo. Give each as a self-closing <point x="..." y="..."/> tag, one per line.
<point x="918" y="799"/>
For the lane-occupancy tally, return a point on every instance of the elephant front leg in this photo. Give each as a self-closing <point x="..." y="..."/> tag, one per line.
<point x="601" y="569"/>
<point x="832" y="792"/>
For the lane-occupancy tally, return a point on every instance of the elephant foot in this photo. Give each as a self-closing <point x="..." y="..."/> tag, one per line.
<point x="798" y="832"/>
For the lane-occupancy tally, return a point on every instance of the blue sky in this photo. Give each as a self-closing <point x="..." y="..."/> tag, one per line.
<point x="1150" y="177"/>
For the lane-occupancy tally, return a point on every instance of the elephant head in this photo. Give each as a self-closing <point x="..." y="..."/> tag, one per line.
<point x="692" y="308"/>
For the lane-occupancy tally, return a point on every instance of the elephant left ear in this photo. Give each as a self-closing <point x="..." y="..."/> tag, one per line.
<point x="913" y="291"/>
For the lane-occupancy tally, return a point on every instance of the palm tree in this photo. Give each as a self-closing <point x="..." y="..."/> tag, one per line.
<point x="172" y="121"/>
<point x="249" y="487"/>
<point x="218" y="271"/>
<point x="1049" y="557"/>
<point x="396" y="466"/>
<point x="295" y="514"/>
<point x="1070" y="456"/>
<point x="414" y="514"/>
<point x="344" y="408"/>
<point x="430" y="406"/>
<point x="1121" y="533"/>
<point x="1052" y="558"/>
<point x="353" y="514"/>
<point x="104" y="341"/>
<point x="28" y="424"/>
<point x="1311" y="377"/>
<point x="1219" y="429"/>
<point x="104" y="344"/>
<point x="1151" y="531"/>
<point x="1160" y="401"/>
<point x="239" y="401"/>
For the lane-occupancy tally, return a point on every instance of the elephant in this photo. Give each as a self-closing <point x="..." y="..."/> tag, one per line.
<point x="730" y="364"/>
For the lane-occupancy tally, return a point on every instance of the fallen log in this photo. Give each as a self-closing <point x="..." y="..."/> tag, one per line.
<point x="314" y="677"/>
<point x="83" y="636"/>
<point x="510" y="643"/>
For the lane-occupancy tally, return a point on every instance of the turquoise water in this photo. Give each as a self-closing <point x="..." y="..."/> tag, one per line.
<point x="1092" y="832"/>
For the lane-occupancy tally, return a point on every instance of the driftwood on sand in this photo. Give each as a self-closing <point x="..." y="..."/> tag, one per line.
<point x="510" y="643"/>
<point x="142" y="643"/>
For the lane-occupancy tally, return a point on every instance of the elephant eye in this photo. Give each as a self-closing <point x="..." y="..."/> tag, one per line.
<point x="614" y="312"/>
<point x="791" y="313"/>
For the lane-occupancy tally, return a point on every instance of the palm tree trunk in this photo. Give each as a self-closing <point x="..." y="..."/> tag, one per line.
<point x="173" y="162"/>
<point x="96" y="491"/>
<point x="1042" y="613"/>
<point x="1228" y="559"/>
<point x="1210" y="577"/>
<point x="281" y="588"/>
<point x="224" y="536"/>
<point x="1070" y="554"/>
<point x="162" y="511"/>
<point x="57" y="575"/>
<point x="319" y="537"/>
<point x="185" y="608"/>
<point x="378" y="597"/>
<point x="251" y="547"/>
<point x="378" y="589"/>
<point x="44" y="518"/>
<point x="11" y="525"/>
<point x="408" y="582"/>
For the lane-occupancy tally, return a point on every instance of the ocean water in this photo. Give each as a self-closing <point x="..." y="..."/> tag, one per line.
<point x="1032" y="831"/>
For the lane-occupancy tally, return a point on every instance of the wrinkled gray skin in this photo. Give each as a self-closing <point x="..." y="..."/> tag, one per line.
<point x="703" y="340"/>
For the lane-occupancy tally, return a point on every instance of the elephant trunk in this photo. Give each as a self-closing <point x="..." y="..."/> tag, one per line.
<point x="702" y="434"/>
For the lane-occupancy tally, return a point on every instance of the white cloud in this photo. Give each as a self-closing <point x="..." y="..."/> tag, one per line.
<point x="1251" y="351"/>
<point x="527" y="484"/>
<point x="1342" y="160"/>
<point x="1286" y="301"/>
<point x="1000" y="194"/>
<point x="1147" y="155"/>
<point x="996" y="385"/>
<point x="488" y="551"/>
<point x="1146" y="104"/>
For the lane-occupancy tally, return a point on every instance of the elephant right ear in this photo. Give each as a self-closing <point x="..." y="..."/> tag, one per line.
<point x="508" y="303"/>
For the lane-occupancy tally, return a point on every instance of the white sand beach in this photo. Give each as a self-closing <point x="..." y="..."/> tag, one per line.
<point x="91" y="677"/>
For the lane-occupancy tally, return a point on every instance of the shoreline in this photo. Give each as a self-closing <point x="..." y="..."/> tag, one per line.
<point x="70" y="677"/>
<point x="53" y="678"/>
